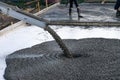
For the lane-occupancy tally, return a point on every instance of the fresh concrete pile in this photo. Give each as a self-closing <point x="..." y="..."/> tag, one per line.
<point x="94" y="59"/>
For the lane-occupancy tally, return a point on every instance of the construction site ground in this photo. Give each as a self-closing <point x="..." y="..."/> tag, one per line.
<point x="95" y="49"/>
<point x="91" y="12"/>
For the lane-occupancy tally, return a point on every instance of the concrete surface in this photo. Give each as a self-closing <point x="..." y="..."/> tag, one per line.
<point x="90" y="11"/>
<point x="94" y="59"/>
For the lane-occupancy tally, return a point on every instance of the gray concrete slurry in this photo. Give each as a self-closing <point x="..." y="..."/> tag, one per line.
<point x="90" y="11"/>
<point x="94" y="59"/>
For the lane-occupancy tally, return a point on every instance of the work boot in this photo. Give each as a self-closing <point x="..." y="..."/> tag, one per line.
<point x="78" y="11"/>
<point x="70" y="11"/>
<point x="118" y="13"/>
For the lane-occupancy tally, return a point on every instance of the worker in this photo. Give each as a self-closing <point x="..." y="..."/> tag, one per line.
<point x="71" y="6"/>
<point x="117" y="8"/>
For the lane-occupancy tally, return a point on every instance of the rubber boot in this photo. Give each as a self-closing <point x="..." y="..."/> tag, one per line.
<point x="70" y="11"/>
<point x="78" y="11"/>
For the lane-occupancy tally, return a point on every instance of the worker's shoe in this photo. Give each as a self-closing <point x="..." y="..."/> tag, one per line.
<point x="80" y="16"/>
<point x="78" y="11"/>
<point x="118" y="13"/>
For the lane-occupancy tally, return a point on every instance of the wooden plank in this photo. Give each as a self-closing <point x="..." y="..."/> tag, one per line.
<point x="28" y="3"/>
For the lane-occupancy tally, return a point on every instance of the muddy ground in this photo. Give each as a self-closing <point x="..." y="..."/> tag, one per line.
<point x="94" y="59"/>
<point x="5" y="21"/>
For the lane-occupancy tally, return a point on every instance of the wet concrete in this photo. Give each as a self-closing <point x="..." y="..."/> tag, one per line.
<point x="94" y="59"/>
<point x="90" y="11"/>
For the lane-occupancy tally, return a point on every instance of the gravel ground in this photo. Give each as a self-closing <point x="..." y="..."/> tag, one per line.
<point x="94" y="59"/>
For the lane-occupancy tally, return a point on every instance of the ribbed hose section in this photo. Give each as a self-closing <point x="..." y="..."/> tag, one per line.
<point x="59" y="41"/>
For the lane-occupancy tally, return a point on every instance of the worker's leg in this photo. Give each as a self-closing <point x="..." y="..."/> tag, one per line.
<point x="117" y="5"/>
<point x="117" y="8"/>
<point x="76" y="3"/>
<point x="70" y="8"/>
<point x="78" y="10"/>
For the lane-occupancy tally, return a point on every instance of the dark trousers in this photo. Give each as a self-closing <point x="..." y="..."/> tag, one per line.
<point x="73" y="1"/>
<point x="117" y="5"/>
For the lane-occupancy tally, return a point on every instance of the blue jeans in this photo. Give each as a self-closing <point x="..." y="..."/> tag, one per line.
<point x="117" y="5"/>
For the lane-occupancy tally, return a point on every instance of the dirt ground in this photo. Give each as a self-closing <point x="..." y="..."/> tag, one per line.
<point x="5" y="21"/>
